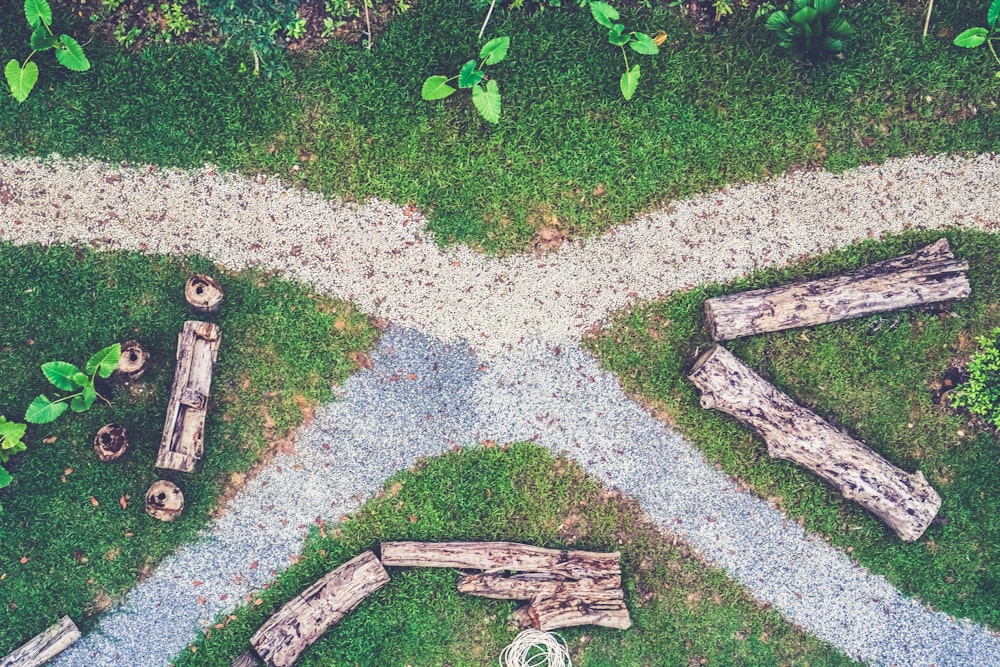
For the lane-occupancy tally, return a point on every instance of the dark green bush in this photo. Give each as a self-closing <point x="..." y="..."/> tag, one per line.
<point x="814" y="27"/>
<point x="255" y="25"/>
<point x="981" y="394"/>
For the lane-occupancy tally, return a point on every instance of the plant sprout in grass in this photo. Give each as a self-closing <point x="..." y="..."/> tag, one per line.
<point x="981" y="394"/>
<point x="975" y="37"/>
<point x="10" y="444"/>
<point x="22" y="77"/>
<point x="640" y="42"/>
<point x="68" y="377"/>
<point x="486" y="97"/>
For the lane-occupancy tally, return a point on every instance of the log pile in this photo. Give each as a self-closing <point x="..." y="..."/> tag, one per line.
<point x="44" y="647"/>
<point x="562" y="588"/>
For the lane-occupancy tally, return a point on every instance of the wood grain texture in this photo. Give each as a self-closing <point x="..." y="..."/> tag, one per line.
<point x="501" y="556"/>
<point x="183" y="441"/>
<point x="44" y="647"/>
<point x="930" y="275"/>
<point x="530" y="585"/>
<point x="248" y="658"/>
<point x="284" y="636"/>
<point x="203" y="294"/>
<point x="905" y="502"/>
<point x="551" y="613"/>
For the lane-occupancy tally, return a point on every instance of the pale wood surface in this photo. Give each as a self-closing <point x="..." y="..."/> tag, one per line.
<point x="905" y="502"/>
<point x="284" y="636"/>
<point x="110" y="442"/>
<point x="132" y="364"/>
<point x="44" y="647"/>
<point x="203" y="294"/>
<point x="183" y="438"/>
<point x="246" y="659"/>
<point x="605" y="609"/>
<point x="164" y="500"/>
<point x="531" y="585"/>
<point x="927" y="276"/>
<point x="501" y="556"/>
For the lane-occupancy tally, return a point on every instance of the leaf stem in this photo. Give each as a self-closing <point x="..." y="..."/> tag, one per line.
<point x="487" y="20"/>
<point x="625" y="56"/>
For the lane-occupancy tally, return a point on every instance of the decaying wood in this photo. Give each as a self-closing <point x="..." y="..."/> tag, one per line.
<point x="930" y="275"/>
<point x="501" y="556"/>
<point x="905" y="502"/>
<point x="531" y="585"/>
<point x="164" y="501"/>
<point x="303" y="620"/>
<point x="551" y="613"/>
<point x="203" y="294"/>
<point x="44" y="647"/>
<point x="184" y="431"/>
<point x="248" y="658"/>
<point x="110" y="442"/>
<point x="132" y="364"/>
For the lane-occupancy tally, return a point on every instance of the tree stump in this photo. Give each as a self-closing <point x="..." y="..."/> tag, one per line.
<point x="44" y="647"/>
<point x="110" y="442"/>
<point x="930" y="275"/>
<point x="281" y="640"/>
<point x="183" y="438"/>
<point x="132" y="364"/>
<point x="164" y="501"/>
<point x="203" y="294"/>
<point x="905" y="502"/>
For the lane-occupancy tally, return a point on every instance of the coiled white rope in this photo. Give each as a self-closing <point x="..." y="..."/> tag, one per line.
<point x="534" y="648"/>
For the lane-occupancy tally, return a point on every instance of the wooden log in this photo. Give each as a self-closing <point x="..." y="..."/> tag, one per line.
<point x="132" y="363"/>
<point x="164" y="501"/>
<point x="203" y="294"/>
<point x="930" y="275"/>
<point x="44" y="647"/>
<point x="184" y="430"/>
<point x="531" y="585"/>
<point x="501" y="556"/>
<point x="905" y="502"/>
<point x="303" y="620"/>
<point x="551" y="613"/>
<point x="110" y="442"/>
<point x="248" y="658"/>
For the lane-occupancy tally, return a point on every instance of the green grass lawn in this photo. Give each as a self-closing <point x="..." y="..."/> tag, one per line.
<point x="875" y="378"/>
<point x="68" y="545"/>
<point x="568" y="154"/>
<point x="682" y="610"/>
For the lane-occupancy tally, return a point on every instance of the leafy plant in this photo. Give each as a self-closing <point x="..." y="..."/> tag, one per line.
<point x="178" y="23"/>
<point x="815" y="26"/>
<point x="976" y="37"/>
<point x="640" y="42"/>
<point x="253" y="25"/>
<point x="22" y="77"/>
<point x="981" y="394"/>
<point x="68" y="377"/>
<point x="485" y="96"/>
<point x="10" y="444"/>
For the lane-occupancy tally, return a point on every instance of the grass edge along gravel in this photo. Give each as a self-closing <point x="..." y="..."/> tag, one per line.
<point x="75" y="536"/>
<point x="880" y="378"/>
<point x="683" y="611"/>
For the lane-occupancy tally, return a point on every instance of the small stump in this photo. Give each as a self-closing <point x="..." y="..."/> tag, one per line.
<point x="164" y="501"/>
<point x="132" y="364"/>
<point x="203" y="294"/>
<point x="110" y="442"/>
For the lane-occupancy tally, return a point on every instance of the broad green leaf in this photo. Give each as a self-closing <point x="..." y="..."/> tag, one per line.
<point x="804" y="16"/>
<point x="495" y="50"/>
<point x="72" y="57"/>
<point x="470" y="75"/>
<point x="21" y="79"/>
<point x="618" y="36"/>
<point x="60" y="373"/>
<point x="827" y="8"/>
<point x="832" y="45"/>
<point x="993" y="14"/>
<point x="972" y="38"/>
<point x="5" y="478"/>
<point x="42" y="39"/>
<point x="11" y="433"/>
<point x="83" y="402"/>
<point x="37" y="12"/>
<point x="604" y="13"/>
<point x="436" y="88"/>
<point x="43" y="411"/>
<point x="629" y="82"/>
<point x="644" y="44"/>
<point x="487" y="101"/>
<point x="81" y="380"/>
<point x="777" y="21"/>
<point x="104" y="361"/>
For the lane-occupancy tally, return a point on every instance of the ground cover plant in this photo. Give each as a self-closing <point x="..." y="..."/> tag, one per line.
<point x="74" y="535"/>
<point x="683" y="612"/>
<point x="569" y="156"/>
<point x="884" y="379"/>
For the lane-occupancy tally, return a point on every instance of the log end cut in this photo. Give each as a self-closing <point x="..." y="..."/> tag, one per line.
<point x="132" y="363"/>
<point x="164" y="501"/>
<point x="110" y="442"/>
<point x="203" y="294"/>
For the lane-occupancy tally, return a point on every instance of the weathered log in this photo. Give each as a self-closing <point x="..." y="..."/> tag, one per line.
<point x="110" y="442"/>
<point x="501" y="556"/>
<point x="531" y="585"/>
<point x="248" y="658"/>
<point x="184" y="431"/>
<point x="44" y="647"/>
<point x="547" y="613"/>
<point x="132" y="364"/>
<point x="905" y="502"/>
<point x="164" y="501"/>
<point x="930" y="275"/>
<point x="303" y="620"/>
<point x="203" y="294"/>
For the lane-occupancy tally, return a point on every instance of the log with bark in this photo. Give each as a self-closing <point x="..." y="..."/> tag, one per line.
<point x="551" y="613"/>
<point x="501" y="556"/>
<point x="44" y="647"/>
<point x="203" y="294"/>
<point x="930" y="275"/>
<point x="110" y="442"/>
<point x="184" y="430"/>
<point x="284" y="636"/>
<point x="529" y="585"/>
<point x="248" y="658"/>
<point x="905" y="502"/>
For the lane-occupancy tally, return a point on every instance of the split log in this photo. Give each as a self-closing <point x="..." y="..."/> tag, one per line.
<point x="44" y="647"/>
<point x="164" y="501"/>
<point x="905" y="502"/>
<point x="132" y="364"/>
<point x="551" y="613"/>
<point x="110" y="442"/>
<point x="531" y="585"/>
<point x="203" y="294"/>
<point x="930" y="275"/>
<point x="303" y="620"/>
<point x="248" y="658"/>
<point x="183" y="439"/>
<point x="501" y="556"/>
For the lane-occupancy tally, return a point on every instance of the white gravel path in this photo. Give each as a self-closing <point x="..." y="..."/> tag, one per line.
<point x="522" y="315"/>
